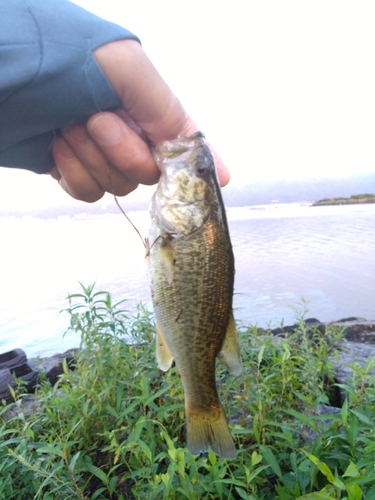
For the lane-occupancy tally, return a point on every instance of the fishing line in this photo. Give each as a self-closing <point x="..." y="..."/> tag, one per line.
<point x="118" y="204"/>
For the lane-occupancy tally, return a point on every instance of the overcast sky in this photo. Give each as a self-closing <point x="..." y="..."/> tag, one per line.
<point x="282" y="89"/>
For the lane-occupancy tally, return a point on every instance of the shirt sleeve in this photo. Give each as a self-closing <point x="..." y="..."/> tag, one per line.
<point x="48" y="76"/>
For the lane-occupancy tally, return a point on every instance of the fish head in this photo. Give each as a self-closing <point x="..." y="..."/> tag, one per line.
<point x="185" y="195"/>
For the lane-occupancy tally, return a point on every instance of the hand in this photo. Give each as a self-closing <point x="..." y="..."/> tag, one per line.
<point x="109" y="153"/>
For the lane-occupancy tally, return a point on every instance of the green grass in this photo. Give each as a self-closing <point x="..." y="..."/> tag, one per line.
<point x="114" y="428"/>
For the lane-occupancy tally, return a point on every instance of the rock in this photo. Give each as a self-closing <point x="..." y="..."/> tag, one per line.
<point x="356" y="329"/>
<point x="358" y="346"/>
<point x="312" y="323"/>
<point x="11" y="359"/>
<point x="31" y="373"/>
<point x="348" y="354"/>
<point x="52" y="366"/>
<point x="25" y="372"/>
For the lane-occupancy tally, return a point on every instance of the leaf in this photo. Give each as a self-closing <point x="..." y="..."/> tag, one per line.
<point x="146" y="450"/>
<point x="324" y="469"/>
<point x="302" y="418"/>
<point x="230" y="481"/>
<point x="73" y="461"/>
<point x="97" y="472"/>
<point x="51" y="450"/>
<point x="112" y="411"/>
<point x="256" y="472"/>
<point x="260" y="354"/>
<point x="256" y="458"/>
<point x="363" y="418"/>
<point x="212" y="457"/>
<point x="344" y="413"/>
<point x="347" y="388"/>
<point x="316" y="496"/>
<point x="256" y="427"/>
<point x="156" y="395"/>
<point x="271" y="460"/>
<point x="353" y="428"/>
<point x="243" y="494"/>
<point x="354" y="492"/>
<point x="137" y="429"/>
<point x="351" y="470"/>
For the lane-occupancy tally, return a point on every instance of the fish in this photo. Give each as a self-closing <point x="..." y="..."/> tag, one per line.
<point x="191" y="269"/>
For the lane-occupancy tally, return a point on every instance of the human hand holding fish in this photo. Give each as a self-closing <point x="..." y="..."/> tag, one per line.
<point x="109" y="153"/>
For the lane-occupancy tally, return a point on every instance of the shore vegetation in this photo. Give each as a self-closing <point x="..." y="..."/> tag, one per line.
<point x="353" y="200"/>
<point x="113" y="426"/>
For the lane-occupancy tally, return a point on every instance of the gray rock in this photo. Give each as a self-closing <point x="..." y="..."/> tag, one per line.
<point x="358" y="347"/>
<point x="7" y="379"/>
<point x="11" y="359"/>
<point x="356" y="329"/>
<point x="52" y="366"/>
<point x="349" y="354"/>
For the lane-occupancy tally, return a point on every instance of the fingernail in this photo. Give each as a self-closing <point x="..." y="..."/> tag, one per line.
<point x="105" y="130"/>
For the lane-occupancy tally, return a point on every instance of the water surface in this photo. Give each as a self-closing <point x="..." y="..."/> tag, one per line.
<point x="324" y="255"/>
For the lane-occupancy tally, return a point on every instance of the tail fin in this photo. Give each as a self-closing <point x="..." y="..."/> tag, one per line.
<point x="206" y="429"/>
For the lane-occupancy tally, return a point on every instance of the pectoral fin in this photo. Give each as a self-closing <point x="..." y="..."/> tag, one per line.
<point x="164" y="356"/>
<point x="167" y="261"/>
<point x="230" y="350"/>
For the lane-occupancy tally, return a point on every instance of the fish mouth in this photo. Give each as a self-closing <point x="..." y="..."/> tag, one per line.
<point x="176" y="147"/>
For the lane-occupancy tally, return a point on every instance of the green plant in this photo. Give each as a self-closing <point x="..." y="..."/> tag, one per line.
<point x="114" y="427"/>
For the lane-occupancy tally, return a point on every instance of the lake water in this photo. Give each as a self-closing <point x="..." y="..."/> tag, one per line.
<point x="325" y="255"/>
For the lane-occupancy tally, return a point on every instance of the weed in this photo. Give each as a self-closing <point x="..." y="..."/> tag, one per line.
<point x="114" y="428"/>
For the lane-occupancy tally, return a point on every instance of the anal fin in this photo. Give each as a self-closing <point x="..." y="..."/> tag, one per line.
<point x="229" y="354"/>
<point x="164" y="357"/>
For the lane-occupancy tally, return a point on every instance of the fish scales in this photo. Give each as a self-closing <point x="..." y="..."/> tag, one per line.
<point x="192" y="274"/>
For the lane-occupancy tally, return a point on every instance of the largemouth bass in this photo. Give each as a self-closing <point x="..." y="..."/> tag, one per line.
<point x="192" y="274"/>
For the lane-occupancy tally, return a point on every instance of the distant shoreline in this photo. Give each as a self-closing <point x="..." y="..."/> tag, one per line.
<point x="353" y="200"/>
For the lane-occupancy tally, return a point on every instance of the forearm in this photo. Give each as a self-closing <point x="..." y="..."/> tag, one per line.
<point x="49" y="77"/>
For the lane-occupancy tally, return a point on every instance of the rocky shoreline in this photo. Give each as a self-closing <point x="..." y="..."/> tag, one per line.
<point x="357" y="346"/>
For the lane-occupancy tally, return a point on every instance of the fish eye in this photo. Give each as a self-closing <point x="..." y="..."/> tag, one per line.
<point x="201" y="168"/>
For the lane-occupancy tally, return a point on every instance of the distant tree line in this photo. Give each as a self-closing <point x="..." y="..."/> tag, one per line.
<point x="354" y="199"/>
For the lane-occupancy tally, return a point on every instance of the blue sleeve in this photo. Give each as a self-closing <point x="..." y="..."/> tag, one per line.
<point x="48" y="76"/>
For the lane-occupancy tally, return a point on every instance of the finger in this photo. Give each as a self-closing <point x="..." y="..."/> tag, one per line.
<point x="108" y="177"/>
<point x="146" y="97"/>
<point x="223" y="173"/>
<point x="124" y="148"/>
<point x="55" y="174"/>
<point x="71" y="174"/>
